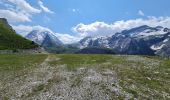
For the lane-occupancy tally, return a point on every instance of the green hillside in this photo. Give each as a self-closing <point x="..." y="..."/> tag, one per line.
<point x="10" y="40"/>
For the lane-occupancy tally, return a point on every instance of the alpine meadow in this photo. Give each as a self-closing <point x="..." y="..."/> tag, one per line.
<point x="84" y="50"/>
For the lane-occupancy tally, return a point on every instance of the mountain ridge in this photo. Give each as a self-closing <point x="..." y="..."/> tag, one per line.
<point x="139" y="40"/>
<point x="142" y="40"/>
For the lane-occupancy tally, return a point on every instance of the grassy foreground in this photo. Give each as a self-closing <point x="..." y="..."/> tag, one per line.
<point x="19" y="62"/>
<point x="68" y="76"/>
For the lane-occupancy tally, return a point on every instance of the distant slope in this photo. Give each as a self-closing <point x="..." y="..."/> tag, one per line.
<point x="95" y="50"/>
<point x="10" y="40"/>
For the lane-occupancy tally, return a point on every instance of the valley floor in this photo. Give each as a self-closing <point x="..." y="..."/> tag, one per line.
<point x="83" y="77"/>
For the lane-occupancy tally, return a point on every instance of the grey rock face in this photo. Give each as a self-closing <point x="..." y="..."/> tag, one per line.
<point x="51" y="41"/>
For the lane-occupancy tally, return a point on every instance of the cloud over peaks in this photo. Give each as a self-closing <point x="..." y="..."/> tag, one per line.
<point x="65" y="38"/>
<point x="98" y="29"/>
<point x="105" y="29"/>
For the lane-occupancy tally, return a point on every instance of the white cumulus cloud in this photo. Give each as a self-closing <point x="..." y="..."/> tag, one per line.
<point x="94" y="29"/>
<point x="17" y="10"/>
<point x="24" y="6"/>
<point x="14" y="16"/>
<point x="67" y="38"/>
<point x="20" y="10"/>
<point x="45" y="9"/>
<point x="25" y="29"/>
<point x="105" y="29"/>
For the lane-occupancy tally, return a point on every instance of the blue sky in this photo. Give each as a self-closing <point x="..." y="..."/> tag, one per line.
<point x="66" y="16"/>
<point x="69" y="13"/>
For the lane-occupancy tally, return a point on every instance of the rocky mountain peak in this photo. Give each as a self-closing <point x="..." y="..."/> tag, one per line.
<point x="42" y="36"/>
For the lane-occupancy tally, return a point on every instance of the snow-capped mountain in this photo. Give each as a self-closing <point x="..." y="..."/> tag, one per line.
<point x="44" y="38"/>
<point x="144" y="31"/>
<point x="140" y="40"/>
<point x="94" y="41"/>
<point x="143" y="40"/>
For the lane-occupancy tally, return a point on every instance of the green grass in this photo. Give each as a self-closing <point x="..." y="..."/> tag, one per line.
<point x="76" y="60"/>
<point x="146" y="78"/>
<point x="15" y="66"/>
<point x="18" y="62"/>
<point x="18" y="66"/>
<point x="167" y="62"/>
